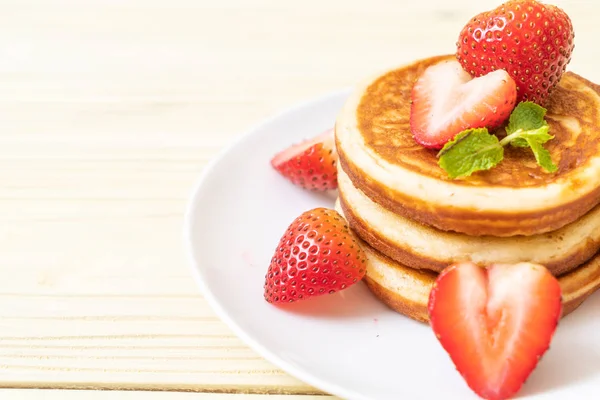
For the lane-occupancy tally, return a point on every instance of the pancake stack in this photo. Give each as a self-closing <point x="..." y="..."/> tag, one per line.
<point x="415" y="221"/>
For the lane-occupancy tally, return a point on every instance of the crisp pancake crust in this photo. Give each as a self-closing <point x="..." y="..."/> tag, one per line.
<point x="423" y="247"/>
<point x="406" y="290"/>
<point x="517" y="197"/>
<point x="384" y="122"/>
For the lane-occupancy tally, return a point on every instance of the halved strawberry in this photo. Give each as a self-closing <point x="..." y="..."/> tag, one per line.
<point x="316" y="255"/>
<point x="495" y="323"/>
<point x="310" y="164"/>
<point x="446" y="100"/>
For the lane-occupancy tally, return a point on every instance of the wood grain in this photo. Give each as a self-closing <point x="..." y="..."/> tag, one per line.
<point x="109" y="110"/>
<point x="11" y="394"/>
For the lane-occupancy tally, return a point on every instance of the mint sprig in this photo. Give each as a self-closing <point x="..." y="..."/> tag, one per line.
<point x="470" y="151"/>
<point x="477" y="150"/>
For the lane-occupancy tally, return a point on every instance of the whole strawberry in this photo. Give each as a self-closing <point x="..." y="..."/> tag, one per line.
<point x="316" y="255"/>
<point x="532" y="41"/>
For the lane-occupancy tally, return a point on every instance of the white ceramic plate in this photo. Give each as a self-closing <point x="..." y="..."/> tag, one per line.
<point x="347" y="344"/>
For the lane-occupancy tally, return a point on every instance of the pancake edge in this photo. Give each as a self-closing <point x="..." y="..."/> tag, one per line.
<point x="415" y="307"/>
<point x="538" y="209"/>
<point x="403" y="253"/>
<point x="412" y="302"/>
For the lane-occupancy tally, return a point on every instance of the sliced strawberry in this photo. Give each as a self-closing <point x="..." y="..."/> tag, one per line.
<point x="446" y="100"/>
<point x="495" y="323"/>
<point x="310" y="164"/>
<point x="316" y="255"/>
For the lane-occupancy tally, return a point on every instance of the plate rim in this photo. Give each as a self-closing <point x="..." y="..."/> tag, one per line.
<point x="209" y="296"/>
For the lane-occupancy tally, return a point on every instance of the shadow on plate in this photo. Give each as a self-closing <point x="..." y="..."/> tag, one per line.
<point x="572" y="356"/>
<point x="354" y="302"/>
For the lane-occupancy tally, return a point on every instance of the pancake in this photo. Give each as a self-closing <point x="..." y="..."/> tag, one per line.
<point x="406" y="290"/>
<point x="423" y="247"/>
<point x="517" y="197"/>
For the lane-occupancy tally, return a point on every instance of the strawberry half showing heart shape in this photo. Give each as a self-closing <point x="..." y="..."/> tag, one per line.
<point x="316" y="255"/>
<point x="495" y="323"/>
<point x="310" y="164"/>
<point x="446" y="100"/>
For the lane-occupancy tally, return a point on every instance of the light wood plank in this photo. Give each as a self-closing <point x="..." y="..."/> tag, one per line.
<point x="109" y="110"/>
<point x="10" y="394"/>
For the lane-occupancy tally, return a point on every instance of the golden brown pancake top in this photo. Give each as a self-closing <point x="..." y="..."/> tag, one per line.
<point x="573" y="115"/>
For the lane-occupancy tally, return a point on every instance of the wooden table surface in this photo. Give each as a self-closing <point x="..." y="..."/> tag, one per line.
<point x="109" y="111"/>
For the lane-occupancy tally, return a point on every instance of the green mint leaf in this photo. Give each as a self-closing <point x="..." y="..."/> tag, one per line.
<point x="542" y="156"/>
<point x="476" y="150"/>
<point x="526" y="116"/>
<point x="521" y="138"/>
<point x="527" y="128"/>
<point x="519" y="142"/>
<point x="470" y="151"/>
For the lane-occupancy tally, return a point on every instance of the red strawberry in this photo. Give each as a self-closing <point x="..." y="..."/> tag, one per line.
<point x="446" y="101"/>
<point x="316" y="255"/>
<point x="495" y="323"/>
<point x="530" y="40"/>
<point x="311" y="164"/>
